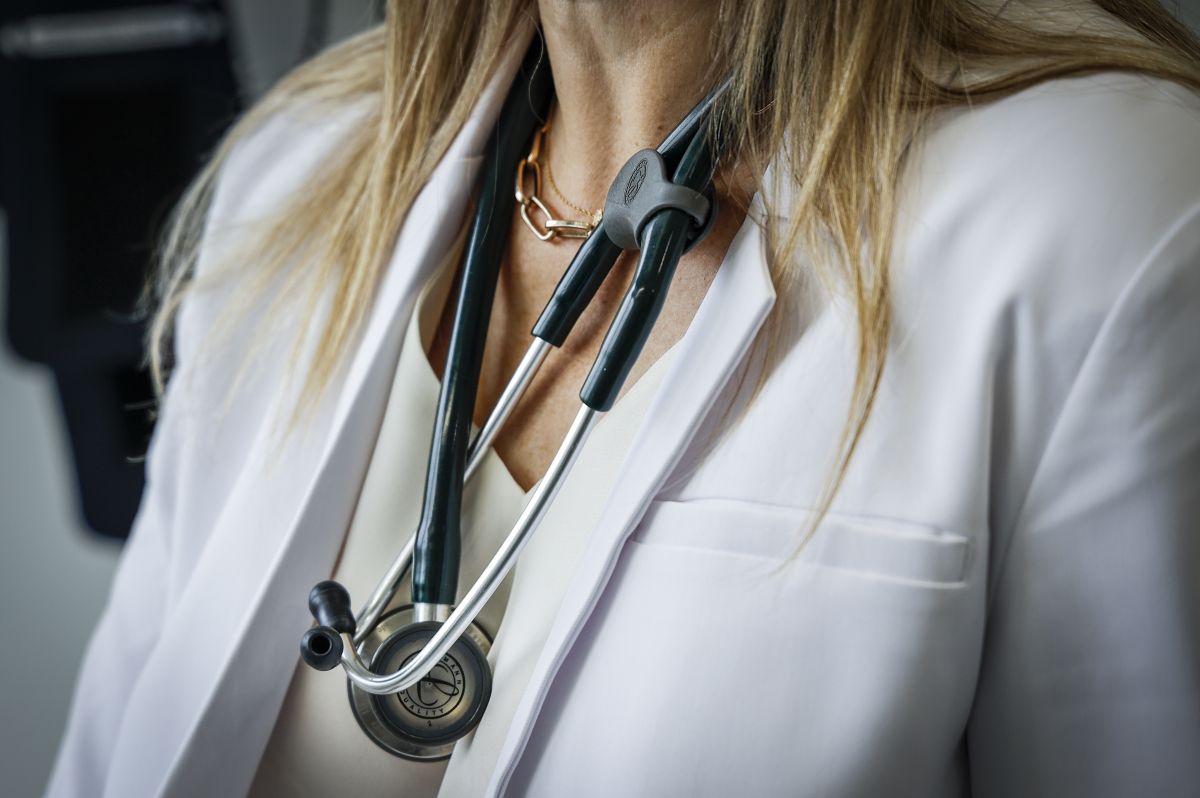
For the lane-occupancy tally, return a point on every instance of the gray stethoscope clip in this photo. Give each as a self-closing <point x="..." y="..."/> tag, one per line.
<point x="642" y="189"/>
<point x="419" y="678"/>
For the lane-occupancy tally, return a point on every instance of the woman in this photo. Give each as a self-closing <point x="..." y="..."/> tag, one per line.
<point x="785" y="569"/>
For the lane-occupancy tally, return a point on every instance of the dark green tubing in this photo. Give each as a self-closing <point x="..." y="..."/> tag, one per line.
<point x="663" y="240"/>
<point x="596" y="257"/>
<point x="438" y="546"/>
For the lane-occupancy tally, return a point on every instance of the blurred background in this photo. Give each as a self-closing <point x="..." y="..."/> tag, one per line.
<point x="106" y="110"/>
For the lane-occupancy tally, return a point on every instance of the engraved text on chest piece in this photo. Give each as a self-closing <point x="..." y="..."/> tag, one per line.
<point x="439" y="693"/>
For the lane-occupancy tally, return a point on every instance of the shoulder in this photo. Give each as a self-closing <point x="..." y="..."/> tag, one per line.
<point x="1070" y="137"/>
<point x="1110" y="158"/>
<point x="1054" y="199"/>
<point x="220" y="337"/>
<point x="1041" y="236"/>
<point x="278" y="152"/>
<point x="270" y="160"/>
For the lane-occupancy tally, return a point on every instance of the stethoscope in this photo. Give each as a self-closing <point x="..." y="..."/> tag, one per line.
<point x="418" y="676"/>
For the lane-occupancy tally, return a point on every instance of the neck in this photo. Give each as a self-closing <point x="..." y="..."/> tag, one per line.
<point x="625" y="72"/>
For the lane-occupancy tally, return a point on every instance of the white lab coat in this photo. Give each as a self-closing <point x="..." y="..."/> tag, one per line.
<point x="1004" y="600"/>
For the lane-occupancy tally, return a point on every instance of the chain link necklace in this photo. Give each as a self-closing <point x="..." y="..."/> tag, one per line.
<point x="528" y="193"/>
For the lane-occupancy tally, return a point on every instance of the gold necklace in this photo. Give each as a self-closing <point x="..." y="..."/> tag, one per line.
<point x="529" y="176"/>
<point x="595" y="215"/>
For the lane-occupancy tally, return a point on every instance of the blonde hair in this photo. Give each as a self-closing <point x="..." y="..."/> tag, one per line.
<point x="832" y="92"/>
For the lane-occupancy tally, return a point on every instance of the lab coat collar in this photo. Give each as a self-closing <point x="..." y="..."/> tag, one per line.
<point x="709" y="355"/>
<point x="255" y="661"/>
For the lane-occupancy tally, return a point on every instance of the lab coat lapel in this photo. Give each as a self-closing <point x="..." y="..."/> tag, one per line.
<point x="709" y="354"/>
<point x="250" y="672"/>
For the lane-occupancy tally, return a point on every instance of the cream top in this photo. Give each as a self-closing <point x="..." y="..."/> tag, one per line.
<point x="317" y="748"/>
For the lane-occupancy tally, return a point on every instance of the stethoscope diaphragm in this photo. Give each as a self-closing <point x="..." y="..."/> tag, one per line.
<point x="424" y="721"/>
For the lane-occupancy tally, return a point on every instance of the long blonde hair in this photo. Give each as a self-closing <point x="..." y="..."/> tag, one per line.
<point x="832" y="92"/>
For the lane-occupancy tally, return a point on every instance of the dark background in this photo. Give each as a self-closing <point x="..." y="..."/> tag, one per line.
<point x="106" y="111"/>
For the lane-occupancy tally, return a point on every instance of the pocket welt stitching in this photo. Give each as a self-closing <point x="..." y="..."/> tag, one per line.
<point x="881" y="547"/>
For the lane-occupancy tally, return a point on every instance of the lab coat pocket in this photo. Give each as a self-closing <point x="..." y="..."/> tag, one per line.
<point x="720" y="662"/>
<point x="875" y="548"/>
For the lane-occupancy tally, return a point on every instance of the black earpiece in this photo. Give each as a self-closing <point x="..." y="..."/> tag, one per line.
<point x="329" y="604"/>
<point x="321" y="647"/>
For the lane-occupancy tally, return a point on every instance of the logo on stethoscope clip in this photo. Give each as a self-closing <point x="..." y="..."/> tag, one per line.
<point x="635" y="181"/>
<point x="438" y="694"/>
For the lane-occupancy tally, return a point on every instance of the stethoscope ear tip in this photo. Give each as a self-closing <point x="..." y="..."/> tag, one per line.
<point x="321" y="648"/>
<point x="329" y="604"/>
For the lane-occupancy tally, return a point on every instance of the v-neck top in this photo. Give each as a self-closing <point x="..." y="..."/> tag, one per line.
<point x="317" y="747"/>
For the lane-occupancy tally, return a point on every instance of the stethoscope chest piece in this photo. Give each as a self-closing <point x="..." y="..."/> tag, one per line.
<point x="424" y="721"/>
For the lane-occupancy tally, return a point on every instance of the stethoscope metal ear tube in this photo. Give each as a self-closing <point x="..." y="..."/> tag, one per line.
<point x="526" y="370"/>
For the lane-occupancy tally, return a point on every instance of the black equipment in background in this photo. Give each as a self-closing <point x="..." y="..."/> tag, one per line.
<point x="108" y="110"/>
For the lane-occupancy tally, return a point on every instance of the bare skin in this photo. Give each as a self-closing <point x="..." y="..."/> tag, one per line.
<point x="623" y="78"/>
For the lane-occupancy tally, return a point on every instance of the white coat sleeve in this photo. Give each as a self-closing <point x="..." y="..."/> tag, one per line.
<point x="190" y="465"/>
<point x="128" y="626"/>
<point x="1090" y="682"/>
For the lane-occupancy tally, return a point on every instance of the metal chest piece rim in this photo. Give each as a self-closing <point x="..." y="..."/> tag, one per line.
<point x="424" y="722"/>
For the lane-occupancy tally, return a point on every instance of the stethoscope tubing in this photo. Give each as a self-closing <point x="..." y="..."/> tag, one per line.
<point x="663" y="246"/>
<point x="691" y="158"/>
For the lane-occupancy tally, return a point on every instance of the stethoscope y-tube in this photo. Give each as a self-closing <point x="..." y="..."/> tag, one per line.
<point x="675" y="214"/>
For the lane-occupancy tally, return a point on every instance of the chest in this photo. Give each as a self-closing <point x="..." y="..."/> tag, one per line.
<point x="787" y="666"/>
